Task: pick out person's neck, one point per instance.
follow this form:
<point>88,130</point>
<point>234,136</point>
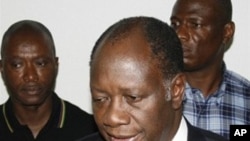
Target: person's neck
<point>175,125</point>
<point>35,117</point>
<point>207,80</point>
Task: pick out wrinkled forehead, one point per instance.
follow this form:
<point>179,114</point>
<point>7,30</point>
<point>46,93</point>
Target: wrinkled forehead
<point>201,5</point>
<point>132,50</point>
<point>133,46</point>
<point>207,9</point>
<point>124,66</point>
<point>26,37</point>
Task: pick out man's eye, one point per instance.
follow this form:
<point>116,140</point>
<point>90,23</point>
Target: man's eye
<point>16,65</point>
<point>174,25</point>
<point>41,63</point>
<point>133,98</point>
<point>195,25</point>
<point>99,99</point>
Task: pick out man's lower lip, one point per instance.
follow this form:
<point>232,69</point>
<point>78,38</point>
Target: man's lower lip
<point>134,138</point>
<point>32,92</point>
<point>185,53</point>
<point>127,139</point>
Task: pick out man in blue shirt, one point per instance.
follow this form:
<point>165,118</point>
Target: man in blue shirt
<point>215,97</point>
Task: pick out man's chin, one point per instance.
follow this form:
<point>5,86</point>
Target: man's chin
<point>33,100</point>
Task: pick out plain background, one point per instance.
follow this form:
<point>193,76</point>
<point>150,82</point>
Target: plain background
<point>77,24</point>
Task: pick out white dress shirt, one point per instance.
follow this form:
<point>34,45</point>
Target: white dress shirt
<point>181,134</point>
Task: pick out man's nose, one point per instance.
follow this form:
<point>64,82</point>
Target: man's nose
<point>182,32</point>
<point>116,115</point>
<point>30,74</point>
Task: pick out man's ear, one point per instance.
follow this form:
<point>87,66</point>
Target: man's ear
<point>177,90</point>
<point>57,63</point>
<point>228,33</point>
<point>1,66</point>
<point>1,70</point>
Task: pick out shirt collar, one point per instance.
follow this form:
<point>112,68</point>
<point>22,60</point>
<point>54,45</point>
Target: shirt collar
<point>189,91</point>
<point>182,131</point>
<point>12,122</point>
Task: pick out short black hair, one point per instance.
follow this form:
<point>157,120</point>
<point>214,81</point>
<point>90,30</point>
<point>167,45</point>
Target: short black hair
<point>164,42</point>
<point>226,9</point>
<point>27,25</point>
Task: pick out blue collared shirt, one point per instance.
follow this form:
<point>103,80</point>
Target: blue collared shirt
<point>229,105</point>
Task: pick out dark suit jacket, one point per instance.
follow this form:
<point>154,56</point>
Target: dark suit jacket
<point>197,134</point>
<point>194,134</point>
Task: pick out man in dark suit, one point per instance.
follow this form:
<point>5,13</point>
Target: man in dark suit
<point>137,84</point>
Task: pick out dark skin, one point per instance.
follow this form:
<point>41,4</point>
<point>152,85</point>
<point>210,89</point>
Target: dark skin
<point>204,37</point>
<point>128,92</point>
<point>29,69</point>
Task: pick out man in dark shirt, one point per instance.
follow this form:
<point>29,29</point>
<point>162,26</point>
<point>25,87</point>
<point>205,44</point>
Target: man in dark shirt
<point>33,111</point>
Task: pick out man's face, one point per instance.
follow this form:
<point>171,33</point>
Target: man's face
<point>128,93</point>
<point>28,68</point>
<point>200,31</point>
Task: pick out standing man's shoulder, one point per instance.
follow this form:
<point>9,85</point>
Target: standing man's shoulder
<point>210,136</point>
<point>198,134</point>
<point>74,111</point>
<point>79,118</point>
<point>76,122</point>
<point>237,80</point>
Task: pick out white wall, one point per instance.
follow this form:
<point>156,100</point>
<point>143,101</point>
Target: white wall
<point>76,25</point>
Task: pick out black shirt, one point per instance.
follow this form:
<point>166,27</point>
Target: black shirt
<point>66,123</point>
